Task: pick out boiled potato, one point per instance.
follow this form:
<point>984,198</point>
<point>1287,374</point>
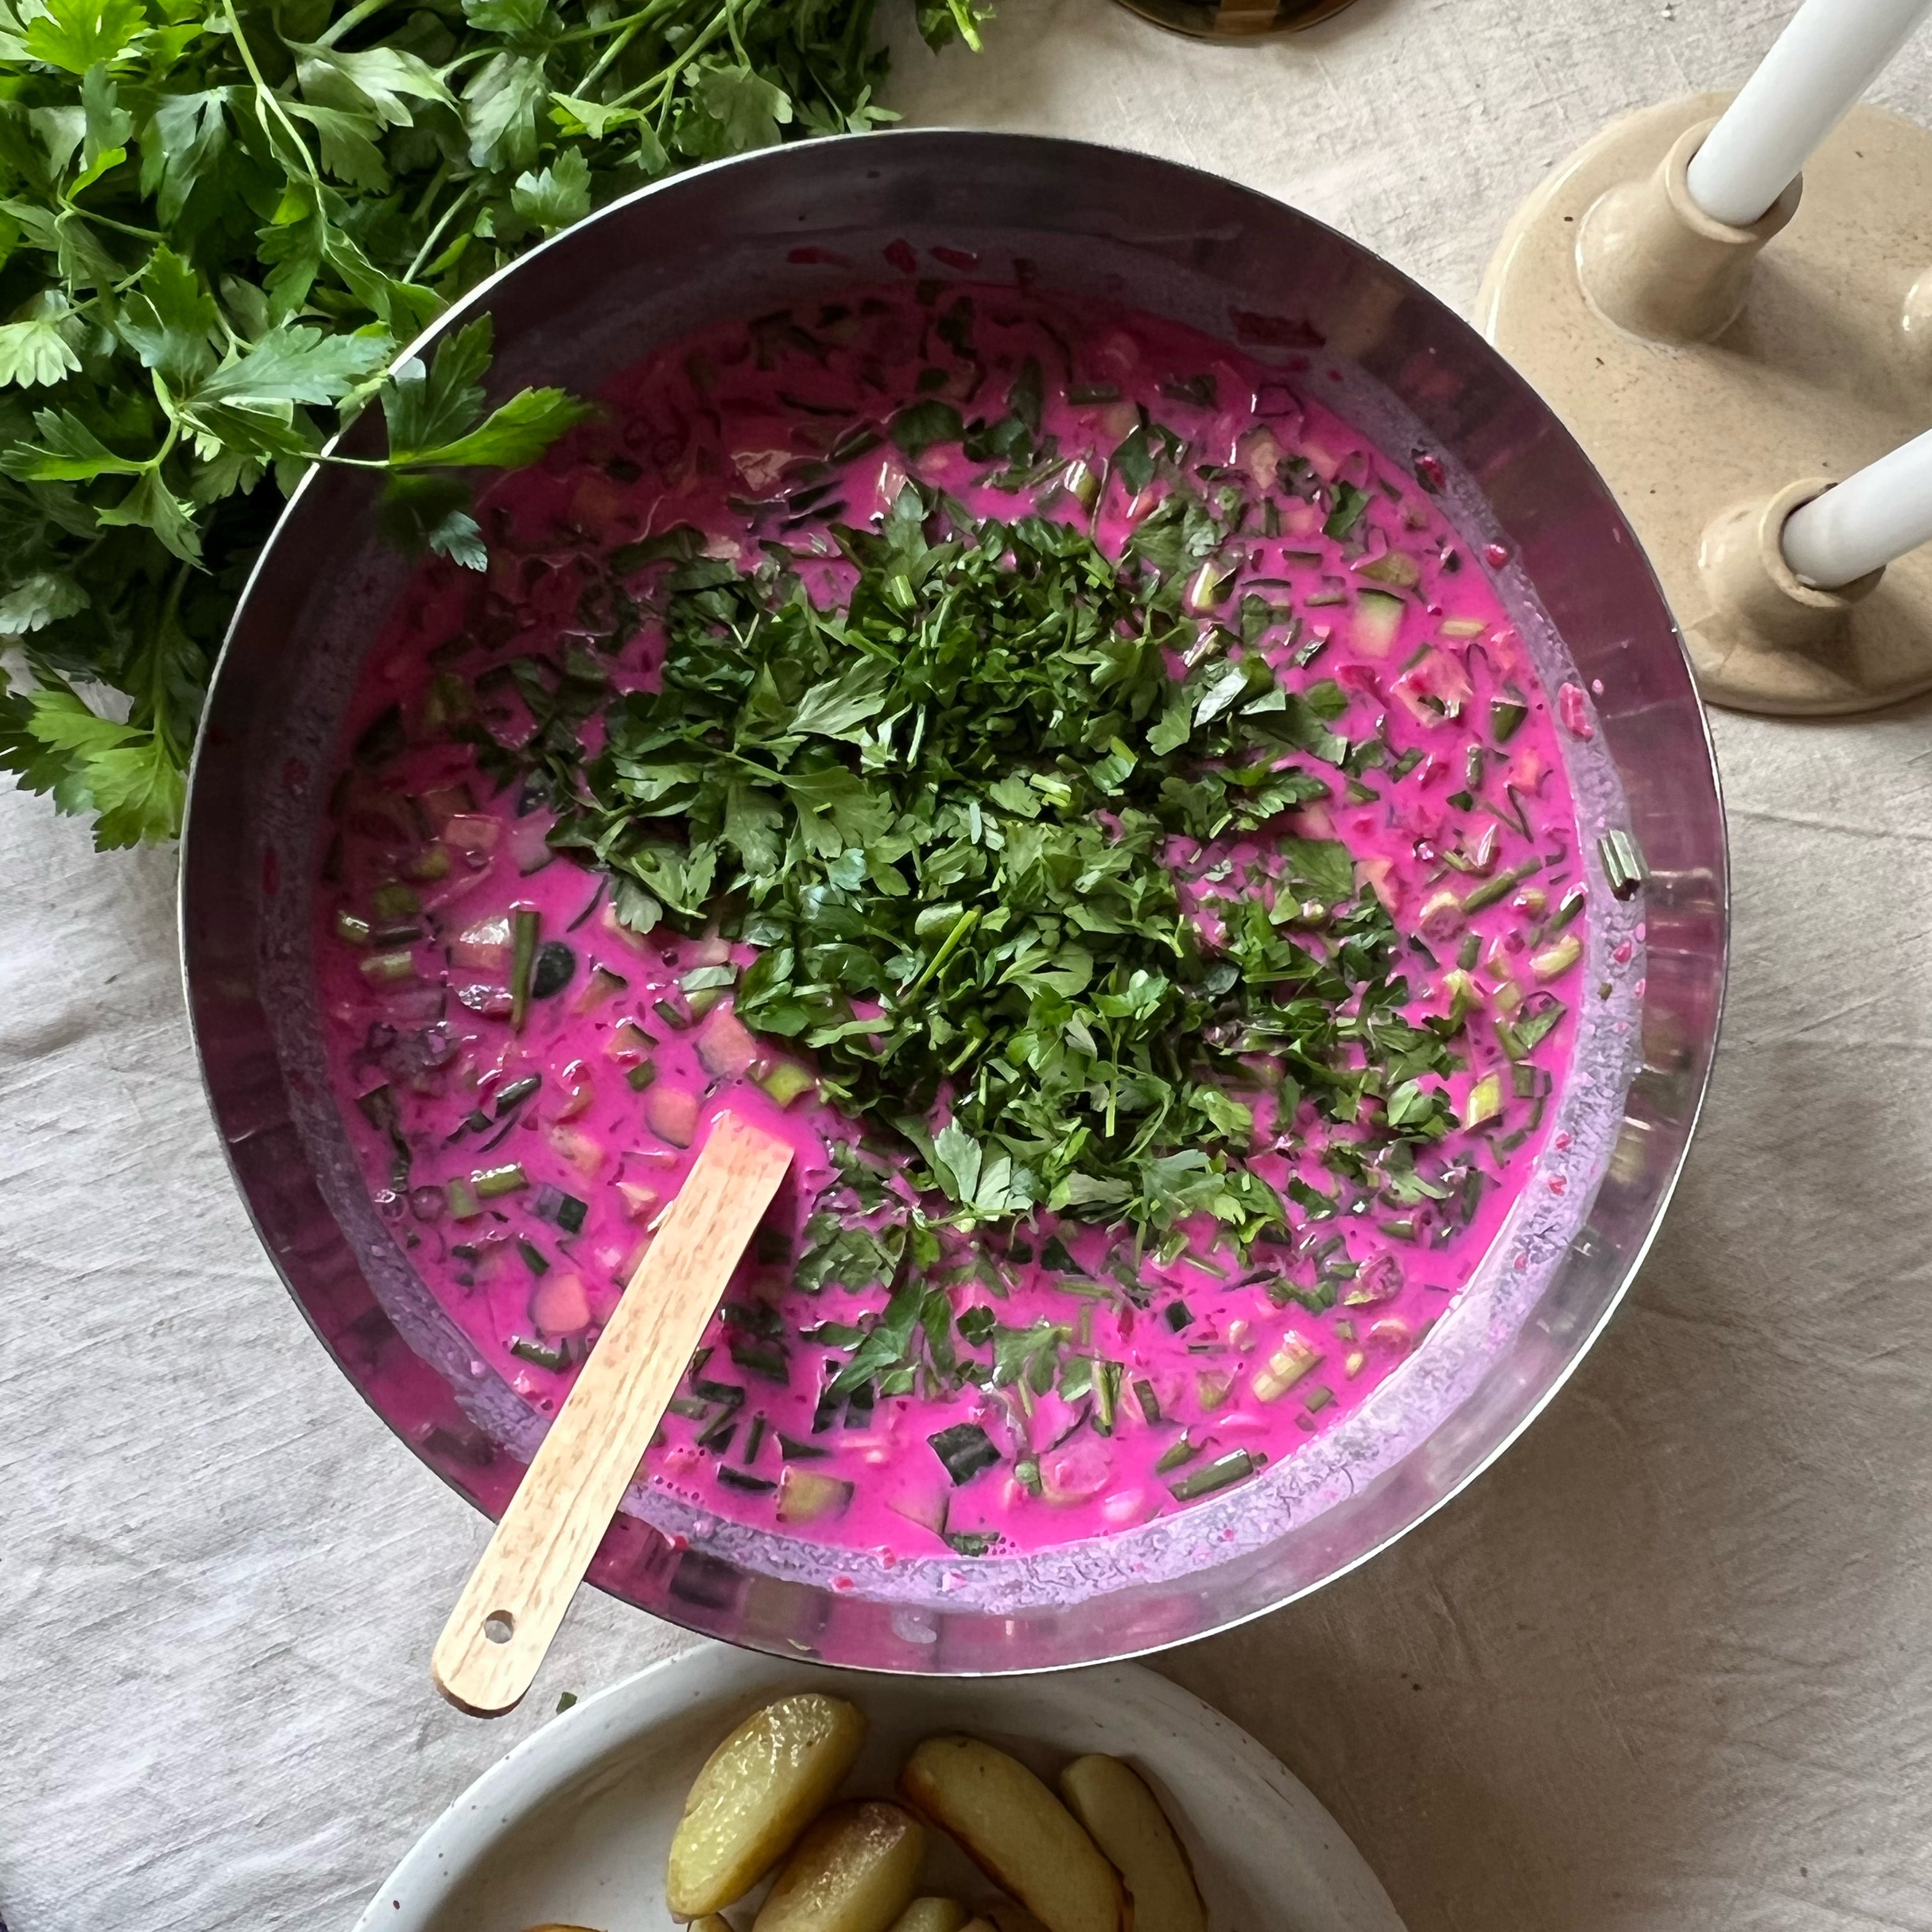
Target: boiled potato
<point>1008,1917</point>
<point>1125,1821</point>
<point>931,1914</point>
<point>853,1871</point>
<point>758,1790</point>
<point>1016,1831</point>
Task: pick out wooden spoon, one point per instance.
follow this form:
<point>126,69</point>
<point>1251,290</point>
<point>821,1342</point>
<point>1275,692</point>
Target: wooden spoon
<point>522,1583</point>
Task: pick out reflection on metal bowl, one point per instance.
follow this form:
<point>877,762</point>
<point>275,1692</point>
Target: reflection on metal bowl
<point>741,238</point>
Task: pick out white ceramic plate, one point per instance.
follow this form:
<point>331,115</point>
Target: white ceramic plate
<point>572,1828</point>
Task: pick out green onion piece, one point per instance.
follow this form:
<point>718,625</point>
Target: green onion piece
<point>1317,1399</point>
<point>1150,1403</point>
<point>786,1081</point>
<point>535,1259</point>
<point>1491,890</point>
<point>1484,1101</point>
<point>513,1096</point>
<point>1106,1395</point>
<point>1567,907</point>
<point>395,901</point>
<point>432,862</point>
<point>1472,767</point>
<point>349,928</point>
<point>489,1182</point>
<point>1469,953</point>
<point>570,1214</point>
<point>1027,1470</point>
<point>1624,864</point>
<point>1528,1082</point>
<point>1178,1451</point>
<point>1506,718</point>
<point>523,962</point>
<point>1217,1474</point>
<point>463,1205</point>
<point>965,1449</point>
<point>1554,961</point>
<point>641,1076</point>
<point>386,967</point>
<point>738,1480</point>
<point>669,1014</point>
<point>688,1406</point>
<point>543,1355</point>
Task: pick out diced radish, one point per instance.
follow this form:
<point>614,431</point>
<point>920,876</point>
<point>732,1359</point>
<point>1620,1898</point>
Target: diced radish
<point>611,923</point>
<point>639,1200</point>
<point>584,1151</point>
<point>472,832</point>
<point>1379,871</point>
<point>671,1114</point>
<point>530,843</point>
<point>1074,1472</point>
<point>628,1042</point>
<point>484,947</point>
<point>927,1510</point>
<point>804,1497</point>
<point>579,1092</point>
<point>1259,453</point>
<point>599,987</point>
<point>724,1046</point>
<point>1378,623</point>
<point>558,1305</point>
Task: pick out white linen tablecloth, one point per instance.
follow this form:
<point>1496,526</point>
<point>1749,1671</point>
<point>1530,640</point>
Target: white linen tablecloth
<point>1667,1666</point>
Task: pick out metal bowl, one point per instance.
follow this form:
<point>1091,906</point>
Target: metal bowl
<point>740,238</point>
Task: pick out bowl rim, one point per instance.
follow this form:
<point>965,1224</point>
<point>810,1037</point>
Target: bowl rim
<point>883,142</point>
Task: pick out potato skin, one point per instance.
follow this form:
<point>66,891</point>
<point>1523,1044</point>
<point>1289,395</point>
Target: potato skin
<point>1125,1818</point>
<point>758,1790</point>
<point>1016,1831</point>
<point>854,1870</point>
<point>932,1914</point>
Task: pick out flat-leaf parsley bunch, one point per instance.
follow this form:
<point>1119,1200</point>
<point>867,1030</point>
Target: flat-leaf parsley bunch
<point>219,221</point>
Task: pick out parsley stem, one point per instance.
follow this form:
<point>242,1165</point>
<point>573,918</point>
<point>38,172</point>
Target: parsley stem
<point>962,926</point>
<point>267,100</point>
<point>435,234</point>
<point>353,19</point>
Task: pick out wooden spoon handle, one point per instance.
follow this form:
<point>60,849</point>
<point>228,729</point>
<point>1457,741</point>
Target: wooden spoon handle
<point>522,1583</point>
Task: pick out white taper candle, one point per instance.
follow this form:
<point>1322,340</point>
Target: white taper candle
<point>1880,513</point>
<point>1832,51</point>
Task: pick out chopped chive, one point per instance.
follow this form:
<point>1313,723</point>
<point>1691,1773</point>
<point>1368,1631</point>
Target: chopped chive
<point>1507,716</point>
<point>669,1014</point>
<point>718,1436</point>
<point>1178,1451</point>
<point>1567,907</point>
<point>1106,1396</point>
<point>513,1096</point>
<point>1624,864</point>
<point>489,1182</point>
<point>688,1406</point>
<point>729,1393</point>
<point>739,1480</point>
<point>794,1451</point>
<point>541,1353</point>
<point>1150,1403</point>
<point>535,1259</point>
<point>641,1076</point>
<point>1231,1467</point>
<point>523,924</point>
<point>1491,890</point>
<point>754,1439</point>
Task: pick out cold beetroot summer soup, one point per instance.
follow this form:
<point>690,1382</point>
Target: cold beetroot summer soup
<point>1048,767</point>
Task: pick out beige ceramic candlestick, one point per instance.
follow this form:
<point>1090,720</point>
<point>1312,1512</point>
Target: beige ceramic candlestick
<point>1720,377</point>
